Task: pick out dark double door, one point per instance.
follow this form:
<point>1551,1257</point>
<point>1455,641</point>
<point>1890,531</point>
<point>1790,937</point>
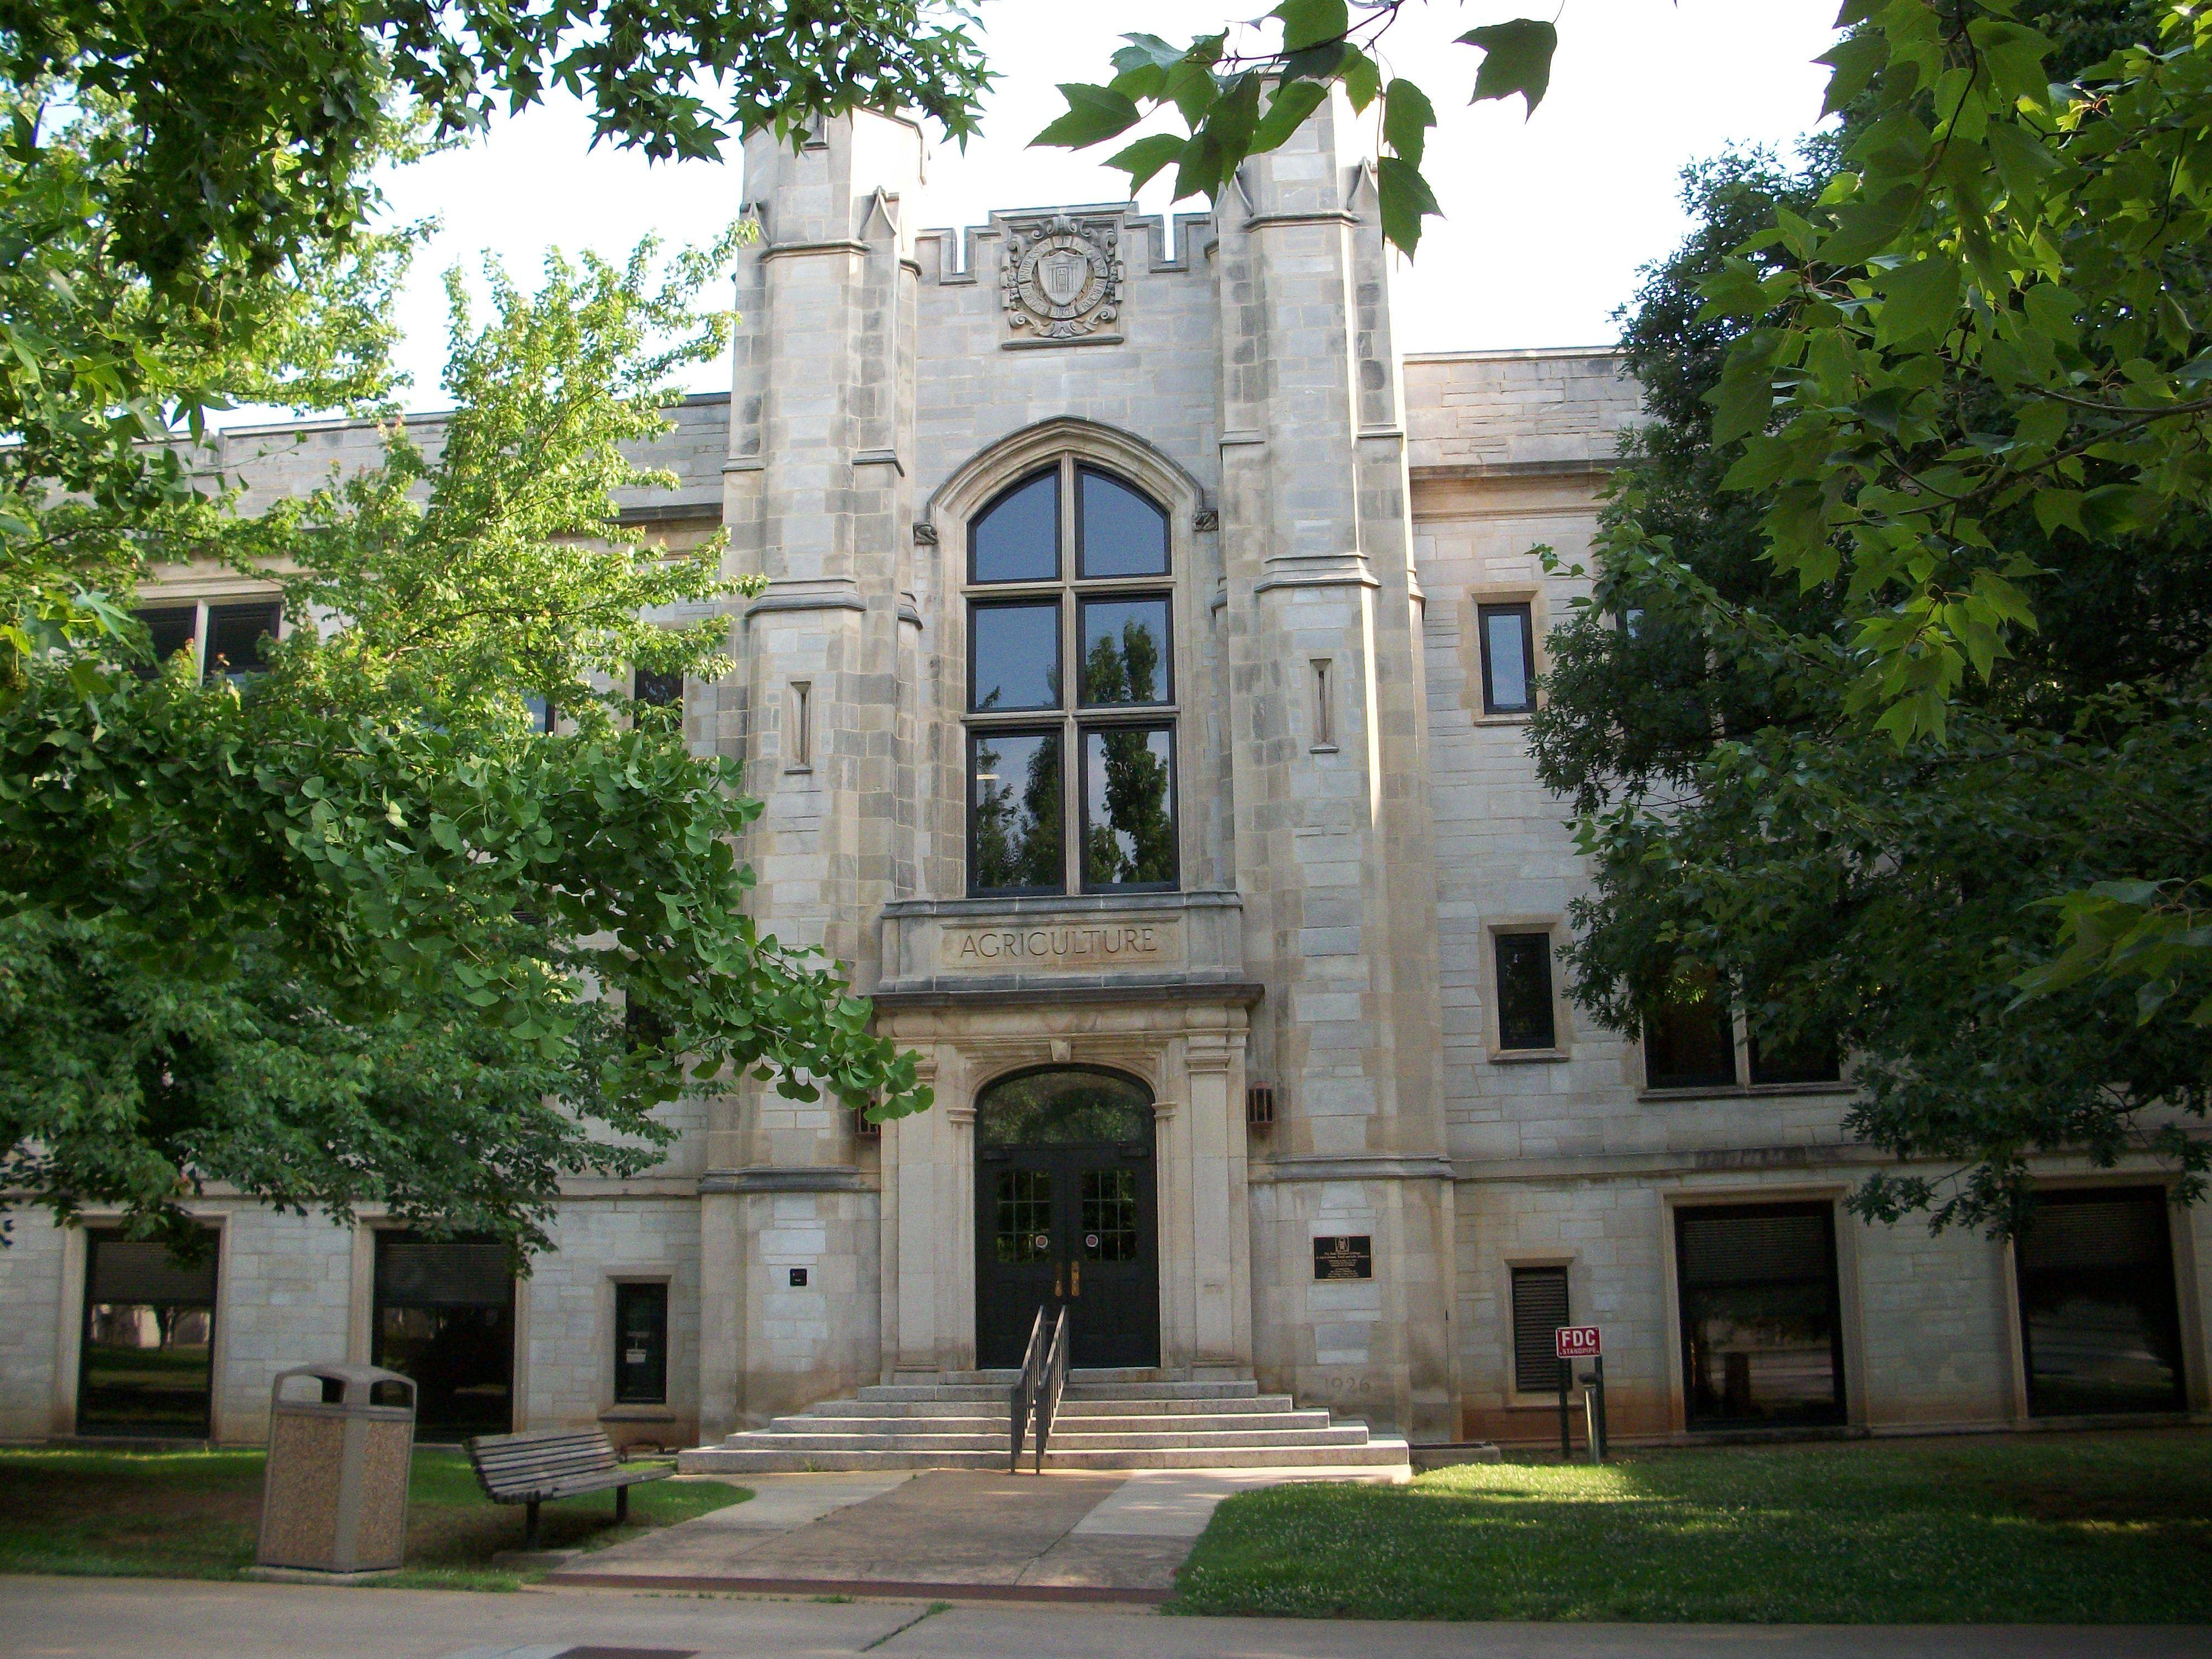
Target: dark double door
<point>1073,1226</point>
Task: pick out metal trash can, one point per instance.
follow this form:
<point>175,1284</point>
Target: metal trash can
<point>334,1497</point>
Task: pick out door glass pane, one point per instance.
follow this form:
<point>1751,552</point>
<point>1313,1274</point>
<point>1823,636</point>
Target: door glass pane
<point>1110,1215</point>
<point>1017,538</point>
<point>641,1345</point>
<point>1014,841</point>
<point>1067,1106</point>
<point>1125,651</point>
<point>1121,533</point>
<point>149,1337</point>
<point>1022,1232</point>
<point>1758,1314</point>
<point>1128,807</point>
<point>1016,656</point>
<point>2098,1304</point>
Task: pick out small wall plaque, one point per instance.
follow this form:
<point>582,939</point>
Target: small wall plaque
<point>1350,1255</point>
<point>799,1279</point>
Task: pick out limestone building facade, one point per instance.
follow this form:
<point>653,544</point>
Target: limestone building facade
<point>1138,695</point>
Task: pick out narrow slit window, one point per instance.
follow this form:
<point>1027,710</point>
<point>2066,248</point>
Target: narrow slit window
<point>1509,659</point>
<point>802,724</point>
<point>641,1345</point>
<point>1324,706</point>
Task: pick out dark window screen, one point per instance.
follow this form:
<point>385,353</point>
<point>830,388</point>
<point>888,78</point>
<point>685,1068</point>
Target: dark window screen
<point>641,1345</point>
<point>445,1316</point>
<point>1524,992</point>
<point>237,634</point>
<point>145,1366</point>
<point>2100,1321</point>
<point>1762,1333</point>
<point>1798,1059</point>
<point>1539,1308</point>
<point>658,690</point>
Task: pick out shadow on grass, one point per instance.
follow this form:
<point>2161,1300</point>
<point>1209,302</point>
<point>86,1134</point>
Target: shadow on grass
<point>2078,1529</point>
<point>196,1515</point>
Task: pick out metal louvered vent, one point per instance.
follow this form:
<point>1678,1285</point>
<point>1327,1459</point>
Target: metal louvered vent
<point>866,1127</point>
<point>1755,1247</point>
<point>2109,1230</point>
<point>413,1272</point>
<point>124,1272</point>
<point>1539,1308</point>
<point>1259,1107</point>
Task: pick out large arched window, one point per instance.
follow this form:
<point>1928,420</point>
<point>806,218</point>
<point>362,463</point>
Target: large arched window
<point>1069,654</point>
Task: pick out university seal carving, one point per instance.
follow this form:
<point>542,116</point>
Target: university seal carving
<point>1062,279</point>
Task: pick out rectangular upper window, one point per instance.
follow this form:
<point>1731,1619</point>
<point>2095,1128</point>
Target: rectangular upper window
<point>1794,1060</point>
<point>658,690</point>
<point>641,1345</point>
<point>1690,1044</point>
<point>1524,992</point>
<point>1509,659</point>
<point>170,629</point>
<point>1539,1308</point>
<point>238,634</point>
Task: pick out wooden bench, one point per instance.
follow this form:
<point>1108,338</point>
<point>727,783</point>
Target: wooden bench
<point>536,1469</point>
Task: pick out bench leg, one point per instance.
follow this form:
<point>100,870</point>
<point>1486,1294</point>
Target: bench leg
<point>530,1526</point>
<point>622,1504</point>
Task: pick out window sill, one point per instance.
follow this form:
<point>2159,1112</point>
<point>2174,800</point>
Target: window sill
<point>1528,1056</point>
<point>637,1414</point>
<point>1742,1091</point>
<point>1322,749</point>
<point>1521,717</point>
<point>799,771</point>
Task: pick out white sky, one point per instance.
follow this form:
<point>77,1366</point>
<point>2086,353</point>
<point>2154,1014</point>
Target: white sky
<point>1545,221</point>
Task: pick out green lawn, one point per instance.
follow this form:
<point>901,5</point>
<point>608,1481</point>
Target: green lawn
<point>194,1515</point>
<point>2097,1529</point>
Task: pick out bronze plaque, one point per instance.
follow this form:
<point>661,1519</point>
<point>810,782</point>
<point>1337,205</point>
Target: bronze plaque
<point>1349,1256</point>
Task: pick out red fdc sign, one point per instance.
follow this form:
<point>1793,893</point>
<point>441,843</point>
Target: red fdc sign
<point>1576,1342</point>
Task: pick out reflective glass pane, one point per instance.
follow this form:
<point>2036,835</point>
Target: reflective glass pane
<point>1122,534</point>
<point>1110,1215</point>
<point>1065,1107</point>
<point>2098,1304</point>
<point>1128,807</point>
<point>1125,651</point>
<point>1759,1314</point>
<point>1524,991</point>
<point>1022,1232</point>
<point>1017,538</point>
<point>169,631</point>
<point>641,1345</point>
<point>1505,659</point>
<point>1016,656</point>
<point>236,634</point>
<point>1014,812</point>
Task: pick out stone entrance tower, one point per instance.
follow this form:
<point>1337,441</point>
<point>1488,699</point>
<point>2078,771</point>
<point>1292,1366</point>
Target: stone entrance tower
<point>1239,377</point>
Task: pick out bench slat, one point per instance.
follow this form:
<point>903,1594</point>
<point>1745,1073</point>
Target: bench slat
<point>534,1467</point>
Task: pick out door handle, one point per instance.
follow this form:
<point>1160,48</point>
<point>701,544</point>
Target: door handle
<point>1074,1278</point>
<point>1056,1281</point>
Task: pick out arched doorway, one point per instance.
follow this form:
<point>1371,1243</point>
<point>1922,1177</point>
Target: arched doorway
<point>1066,1216</point>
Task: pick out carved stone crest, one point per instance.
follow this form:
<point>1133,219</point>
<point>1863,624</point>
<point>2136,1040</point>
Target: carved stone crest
<point>1062,280</point>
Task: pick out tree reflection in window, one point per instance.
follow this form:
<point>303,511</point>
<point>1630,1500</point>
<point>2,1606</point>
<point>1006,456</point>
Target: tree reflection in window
<point>1129,807</point>
<point>1014,820</point>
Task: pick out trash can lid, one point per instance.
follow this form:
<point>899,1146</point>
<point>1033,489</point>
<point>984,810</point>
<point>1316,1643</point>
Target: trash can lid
<point>362,1377</point>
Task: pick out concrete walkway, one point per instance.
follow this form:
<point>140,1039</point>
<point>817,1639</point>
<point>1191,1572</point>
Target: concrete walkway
<point>150,1618</point>
<point>1093,1537</point>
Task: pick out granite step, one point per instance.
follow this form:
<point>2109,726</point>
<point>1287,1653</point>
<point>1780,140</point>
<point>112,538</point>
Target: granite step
<point>1264,1404</point>
<point>806,1440</point>
<point>1371,1453</point>
<point>1064,1423</point>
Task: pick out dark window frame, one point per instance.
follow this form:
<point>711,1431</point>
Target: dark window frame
<point>1684,1080</point>
<point>976,735</point>
<point>1779,1071</point>
<point>144,617</point>
<point>1038,601</point>
<point>1082,601</point>
<point>627,1289</point>
<point>1840,1411</point>
<point>94,1238</point>
<point>382,1238</point>
<point>1543,1368</point>
<point>1083,734</point>
<point>1498,946</point>
<point>656,690</point>
<point>2170,1287</point>
<point>1085,471</point>
<point>1526,612</point>
<point>270,610</point>
<point>1074,721</point>
<point>1059,541</point>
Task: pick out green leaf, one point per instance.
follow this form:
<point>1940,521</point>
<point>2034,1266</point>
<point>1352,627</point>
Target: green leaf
<point>1920,301</point>
<point>1094,114</point>
<point>1287,110</point>
<point>1144,158</point>
<point>1854,61</point>
<point>1406,200</point>
<point>1743,402</point>
<point>1407,115</point>
<point>1308,23</point>
<point>1517,57</point>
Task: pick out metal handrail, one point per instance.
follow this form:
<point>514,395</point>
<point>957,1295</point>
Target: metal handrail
<point>1054,1380</point>
<point>1024,1399</point>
